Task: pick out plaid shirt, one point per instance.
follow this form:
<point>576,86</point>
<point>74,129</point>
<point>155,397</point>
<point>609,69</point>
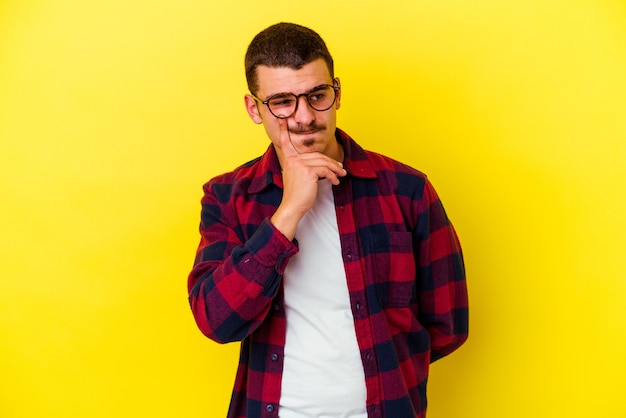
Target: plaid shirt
<point>403,265</point>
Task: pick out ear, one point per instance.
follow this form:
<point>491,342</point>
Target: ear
<point>253,109</point>
<point>338,99</point>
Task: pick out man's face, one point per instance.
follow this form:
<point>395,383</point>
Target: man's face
<point>310,130</point>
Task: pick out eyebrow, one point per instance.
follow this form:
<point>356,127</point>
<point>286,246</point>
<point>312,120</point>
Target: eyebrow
<point>306,92</point>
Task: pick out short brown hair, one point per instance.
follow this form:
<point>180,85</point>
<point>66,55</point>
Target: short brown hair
<point>285,45</point>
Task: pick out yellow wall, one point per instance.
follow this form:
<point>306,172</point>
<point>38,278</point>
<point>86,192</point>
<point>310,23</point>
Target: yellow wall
<point>113,113</point>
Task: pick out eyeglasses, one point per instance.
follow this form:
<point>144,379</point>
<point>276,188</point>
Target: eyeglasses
<point>284,105</point>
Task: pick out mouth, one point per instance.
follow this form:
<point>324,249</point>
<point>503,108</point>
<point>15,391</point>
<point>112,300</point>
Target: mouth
<point>305,138</point>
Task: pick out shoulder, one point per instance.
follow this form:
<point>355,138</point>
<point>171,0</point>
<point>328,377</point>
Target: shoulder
<point>402,178</point>
<point>383,163</point>
<point>237,181</point>
<point>244,171</point>
<point>391,175</point>
<point>371,161</point>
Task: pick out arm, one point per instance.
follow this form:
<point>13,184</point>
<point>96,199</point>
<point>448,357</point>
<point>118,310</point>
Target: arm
<point>232,283</point>
<point>442,290</point>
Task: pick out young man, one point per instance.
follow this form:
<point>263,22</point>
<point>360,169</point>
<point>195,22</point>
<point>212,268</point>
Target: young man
<point>336,267</point>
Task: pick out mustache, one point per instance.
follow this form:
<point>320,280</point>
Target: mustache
<point>300,129</point>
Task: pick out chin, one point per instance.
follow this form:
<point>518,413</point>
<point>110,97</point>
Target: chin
<point>312,142</point>
<point>308,142</point>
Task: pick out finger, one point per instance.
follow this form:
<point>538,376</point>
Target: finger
<point>324,162</point>
<point>284,139</point>
<point>329,175</point>
<point>332,173</point>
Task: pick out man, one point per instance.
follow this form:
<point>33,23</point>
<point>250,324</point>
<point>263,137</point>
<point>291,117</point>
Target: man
<point>336,267</point>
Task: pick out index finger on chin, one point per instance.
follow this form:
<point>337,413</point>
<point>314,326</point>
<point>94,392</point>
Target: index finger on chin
<point>284,140</point>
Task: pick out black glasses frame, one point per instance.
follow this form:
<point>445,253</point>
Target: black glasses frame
<point>297,96</point>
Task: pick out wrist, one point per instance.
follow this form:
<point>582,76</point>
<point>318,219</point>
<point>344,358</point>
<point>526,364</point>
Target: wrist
<point>286,222</point>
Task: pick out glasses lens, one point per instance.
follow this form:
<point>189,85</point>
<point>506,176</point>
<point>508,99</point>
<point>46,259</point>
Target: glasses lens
<point>282,105</point>
<point>321,98</point>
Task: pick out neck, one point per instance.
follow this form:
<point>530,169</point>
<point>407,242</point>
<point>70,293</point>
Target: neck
<point>336,151</point>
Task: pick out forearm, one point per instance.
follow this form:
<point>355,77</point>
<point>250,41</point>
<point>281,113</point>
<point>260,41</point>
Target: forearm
<point>230,292</point>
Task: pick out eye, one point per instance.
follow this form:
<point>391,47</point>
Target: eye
<point>318,95</point>
<point>282,101</point>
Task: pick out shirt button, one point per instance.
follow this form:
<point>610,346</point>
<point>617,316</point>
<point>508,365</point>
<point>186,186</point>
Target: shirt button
<point>269,408</point>
<point>349,256</point>
<point>358,306</point>
<point>368,356</point>
<point>274,357</point>
<point>276,307</point>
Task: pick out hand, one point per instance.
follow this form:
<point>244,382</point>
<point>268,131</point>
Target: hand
<point>301,172</point>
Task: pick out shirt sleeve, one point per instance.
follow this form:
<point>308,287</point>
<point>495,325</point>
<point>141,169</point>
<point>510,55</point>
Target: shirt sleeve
<point>442,291</point>
<point>233,281</point>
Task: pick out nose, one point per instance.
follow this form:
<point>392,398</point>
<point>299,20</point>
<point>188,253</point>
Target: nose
<point>304,113</point>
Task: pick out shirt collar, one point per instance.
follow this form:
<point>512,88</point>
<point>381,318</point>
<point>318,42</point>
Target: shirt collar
<point>355,162</point>
<point>355,159</point>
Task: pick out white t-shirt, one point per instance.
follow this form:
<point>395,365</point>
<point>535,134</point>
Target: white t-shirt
<point>323,373</point>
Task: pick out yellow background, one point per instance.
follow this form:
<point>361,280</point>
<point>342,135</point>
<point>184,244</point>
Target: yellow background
<point>113,113</point>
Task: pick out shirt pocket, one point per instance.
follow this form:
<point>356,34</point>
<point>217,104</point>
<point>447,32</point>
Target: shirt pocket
<point>393,268</point>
